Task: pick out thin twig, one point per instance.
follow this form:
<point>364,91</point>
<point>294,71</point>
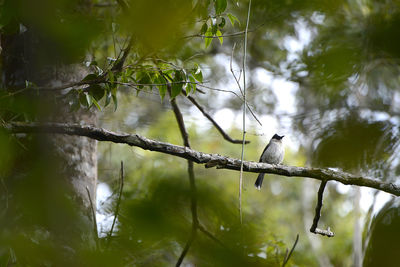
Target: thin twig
<point>186,248</point>
<point>121,186</point>
<point>120,62</point>
<point>244,114</point>
<point>96,237</point>
<point>211,236</point>
<point>232,92</point>
<point>317,216</point>
<point>234,34</point>
<point>287,257</point>
<point>216,125</point>
<point>237,79</point>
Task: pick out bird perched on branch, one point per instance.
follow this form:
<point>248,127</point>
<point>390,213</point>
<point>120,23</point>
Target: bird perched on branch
<point>272,154</point>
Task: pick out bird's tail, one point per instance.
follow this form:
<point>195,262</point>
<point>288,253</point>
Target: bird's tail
<point>259,181</point>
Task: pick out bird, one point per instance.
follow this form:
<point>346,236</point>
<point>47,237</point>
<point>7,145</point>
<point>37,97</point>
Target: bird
<point>273,154</point>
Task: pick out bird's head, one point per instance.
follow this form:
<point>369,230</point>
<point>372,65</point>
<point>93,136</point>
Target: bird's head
<point>277,137</point>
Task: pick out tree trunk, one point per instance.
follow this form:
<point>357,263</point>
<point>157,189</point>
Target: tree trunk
<point>44,196</point>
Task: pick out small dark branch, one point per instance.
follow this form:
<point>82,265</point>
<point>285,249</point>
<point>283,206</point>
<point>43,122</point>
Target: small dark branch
<point>211,160</point>
<point>121,187</point>
<point>287,257</point>
<point>69,85</point>
<point>192,180</point>
<point>181,123</point>
<point>187,247</point>
<point>216,125</point>
<point>94,218</point>
<point>317,216</point>
<point>233,34</point>
<point>211,236</point>
<point>121,61</point>
<point>319,206</point>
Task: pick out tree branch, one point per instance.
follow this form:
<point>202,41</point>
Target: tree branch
<point>211,160</point>
<point>216,125</point>
<point>192,180</point>
<point>121,187</point>
<point>289,254</point>
<point>317,216</point>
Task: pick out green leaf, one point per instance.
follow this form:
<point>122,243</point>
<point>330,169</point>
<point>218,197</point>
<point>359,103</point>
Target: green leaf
<point>208,37</point>
<point>95,103</point>
<point>198,75</point>
<point>220,38</point>
<point>89,100</point>
<point>114,97</point>
<point>111,76</point>
<point>232,19</point>
<point>96,91</point>
<point>108,99</point>
<point>222,23</point>
<point>162,88</point>
<point>143,78</point>
<point>176,89</point>
<point>204,29</point>
<point>115,100</point>
<point>168,73</point>
<point>177,85</point>
<point>192,83</point>
<point>90,77</point>
<point>82,99</point>
<point>189,88</point>
<point>178,75</point>
<point>220,6</point>
<point>214,29</point>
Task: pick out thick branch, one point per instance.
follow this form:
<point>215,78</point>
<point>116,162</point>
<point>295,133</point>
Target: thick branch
<point>211,160</point>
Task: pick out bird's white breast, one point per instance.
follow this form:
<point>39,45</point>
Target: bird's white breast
<point>274,153</point>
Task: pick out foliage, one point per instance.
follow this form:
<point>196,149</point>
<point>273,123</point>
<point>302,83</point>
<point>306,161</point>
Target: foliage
<point>140,53</point>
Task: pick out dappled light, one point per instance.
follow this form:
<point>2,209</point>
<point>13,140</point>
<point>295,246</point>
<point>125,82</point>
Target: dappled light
<point>164,108</point>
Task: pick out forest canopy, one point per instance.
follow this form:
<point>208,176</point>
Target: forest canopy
<point>131,130</point>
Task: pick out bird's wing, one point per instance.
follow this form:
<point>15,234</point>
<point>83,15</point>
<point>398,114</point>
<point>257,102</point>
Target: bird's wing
<point>263,152</point>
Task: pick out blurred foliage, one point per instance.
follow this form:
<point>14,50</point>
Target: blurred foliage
<point>346,116</point>
<point>383,246</point>
<point>155,216</point>
<point>355,144</point>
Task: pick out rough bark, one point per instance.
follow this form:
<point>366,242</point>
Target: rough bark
<point>64,165</point>
<point>210,160</point>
